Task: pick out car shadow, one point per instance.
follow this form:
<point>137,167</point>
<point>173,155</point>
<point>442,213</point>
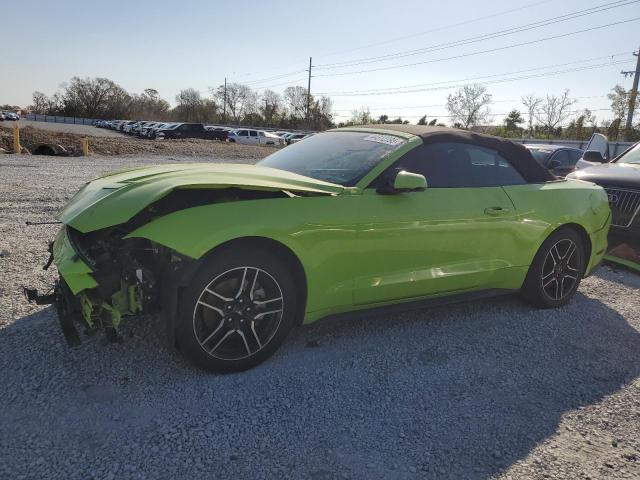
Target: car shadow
<point>460,391</point>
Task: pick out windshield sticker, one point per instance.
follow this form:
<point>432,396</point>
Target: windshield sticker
<point>386,139</point>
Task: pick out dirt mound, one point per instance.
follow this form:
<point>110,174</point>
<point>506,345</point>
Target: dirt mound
<point>33,138</point>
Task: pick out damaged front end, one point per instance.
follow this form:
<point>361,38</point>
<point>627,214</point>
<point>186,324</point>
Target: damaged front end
<point>103,278</point>
<point>108,271</point>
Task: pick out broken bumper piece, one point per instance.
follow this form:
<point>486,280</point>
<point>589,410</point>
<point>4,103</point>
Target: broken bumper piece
<point>81,300</point>
<point>65,303</point>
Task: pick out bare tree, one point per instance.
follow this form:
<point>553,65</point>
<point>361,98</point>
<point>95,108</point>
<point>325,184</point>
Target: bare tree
<point>469,105</point>
<point>361,116</point>
<point>149,105</point>
<point>532,102</point>
<point>320,114</point>
<point>271,106</point>
<point>240,100</point>
<point>554,110</point>
<point>189,102</point>
<point>40,103</point>
<point>90,95</point>
<point>619,98</point>
<point>296,100</point>
<point>55,105</point>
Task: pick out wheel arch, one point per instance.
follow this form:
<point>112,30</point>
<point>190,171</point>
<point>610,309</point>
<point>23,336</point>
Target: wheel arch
<point>283,252</point>
<point>586,239</point>
<point>177,281</point>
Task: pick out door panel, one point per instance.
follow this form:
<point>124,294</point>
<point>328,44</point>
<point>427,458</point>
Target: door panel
<point>437,241</point>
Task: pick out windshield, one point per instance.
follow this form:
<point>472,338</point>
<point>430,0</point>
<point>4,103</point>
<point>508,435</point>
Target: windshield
<point>336,157</point>
<point>632,155</point>
<point>540,155</point>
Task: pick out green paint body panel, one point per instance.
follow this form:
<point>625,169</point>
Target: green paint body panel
<point>114,199</point>
<point>358,248</point>
<point>623,261</point>
<point>75,272</point>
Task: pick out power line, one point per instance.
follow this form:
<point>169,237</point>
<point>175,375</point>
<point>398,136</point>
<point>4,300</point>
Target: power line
<point>438,29</point>
<point>524,77</point>
<point>466,22</point>
<point>479,38</point>
<point>275,77</point>
<point>398,89</point>
<point>491,114</point>
<point>384,108</point>
<point>290,82</point>
<point>553,37</point>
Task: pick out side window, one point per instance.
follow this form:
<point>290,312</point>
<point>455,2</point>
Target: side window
<point>459,165</point>
<point>243,133</point>
<point>253,133</point>
<point>261,134</point>
<point>575,155</point>
<point>183,128</point>
<point>561,156</point>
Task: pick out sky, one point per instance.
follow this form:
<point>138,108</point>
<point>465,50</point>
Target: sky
<point>435,47</point>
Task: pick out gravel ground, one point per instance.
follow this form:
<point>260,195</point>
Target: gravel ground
<point>487,389</point>
<point>89,130</point>
<point>31,138</point>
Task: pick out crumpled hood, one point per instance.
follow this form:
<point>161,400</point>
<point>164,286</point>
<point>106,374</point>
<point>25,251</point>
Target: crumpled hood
<point>115,198</point>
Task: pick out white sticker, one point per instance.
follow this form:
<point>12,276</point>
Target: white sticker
<point>386,139</point>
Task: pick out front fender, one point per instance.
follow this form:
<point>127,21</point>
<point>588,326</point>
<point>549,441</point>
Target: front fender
<point>320,231</point>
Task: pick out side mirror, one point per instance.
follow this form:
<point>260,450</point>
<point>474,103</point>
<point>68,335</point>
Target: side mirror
<point>404,182</point>
<point>593,156</point>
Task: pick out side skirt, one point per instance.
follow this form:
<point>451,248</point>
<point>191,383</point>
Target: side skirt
<point>421,304</point>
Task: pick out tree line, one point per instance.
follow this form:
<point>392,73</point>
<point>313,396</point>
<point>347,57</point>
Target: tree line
<point>238,104</point>
<point>549,116</point>
<point>543,117</point>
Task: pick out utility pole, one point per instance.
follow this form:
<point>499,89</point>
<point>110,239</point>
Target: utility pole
<point>224,102</point>
<point>309,92</point>
<point>632,97</point>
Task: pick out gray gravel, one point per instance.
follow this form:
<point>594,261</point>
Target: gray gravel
<point>479,390</point>
<point>67,128</point>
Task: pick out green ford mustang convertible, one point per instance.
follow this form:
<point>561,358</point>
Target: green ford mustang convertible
<point>234,256</point>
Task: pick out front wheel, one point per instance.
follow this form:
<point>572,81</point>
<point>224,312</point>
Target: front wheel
<point>237,311</point>
<point>556,270</point>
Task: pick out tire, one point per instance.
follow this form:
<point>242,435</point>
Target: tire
<point>556,271</point>
<point>223,328</point>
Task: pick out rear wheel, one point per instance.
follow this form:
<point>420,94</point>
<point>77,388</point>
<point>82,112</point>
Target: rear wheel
<point>556,271</point>
<point>237,311</point>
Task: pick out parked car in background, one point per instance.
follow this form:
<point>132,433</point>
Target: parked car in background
<point>136,127</point>
<point>125,125</point>
<point>597,152</point>
<point>183,130</point>
<point>249,136</point>
<point>296,137</point>
<point>151,132</point>
<point>621,180</point>
<point>145,128</point>
<point>558,159</point>
<point>218,133</point>
<point>11,116</point>
<point>126,128</point>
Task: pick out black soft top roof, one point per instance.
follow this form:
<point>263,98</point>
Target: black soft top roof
<point>517,155</point>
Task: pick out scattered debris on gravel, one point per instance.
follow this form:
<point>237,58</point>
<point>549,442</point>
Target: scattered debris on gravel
<point>31,138</point>
<point>487,389</point>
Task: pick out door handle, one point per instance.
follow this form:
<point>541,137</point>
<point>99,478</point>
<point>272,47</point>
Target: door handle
<point>496,211</point>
